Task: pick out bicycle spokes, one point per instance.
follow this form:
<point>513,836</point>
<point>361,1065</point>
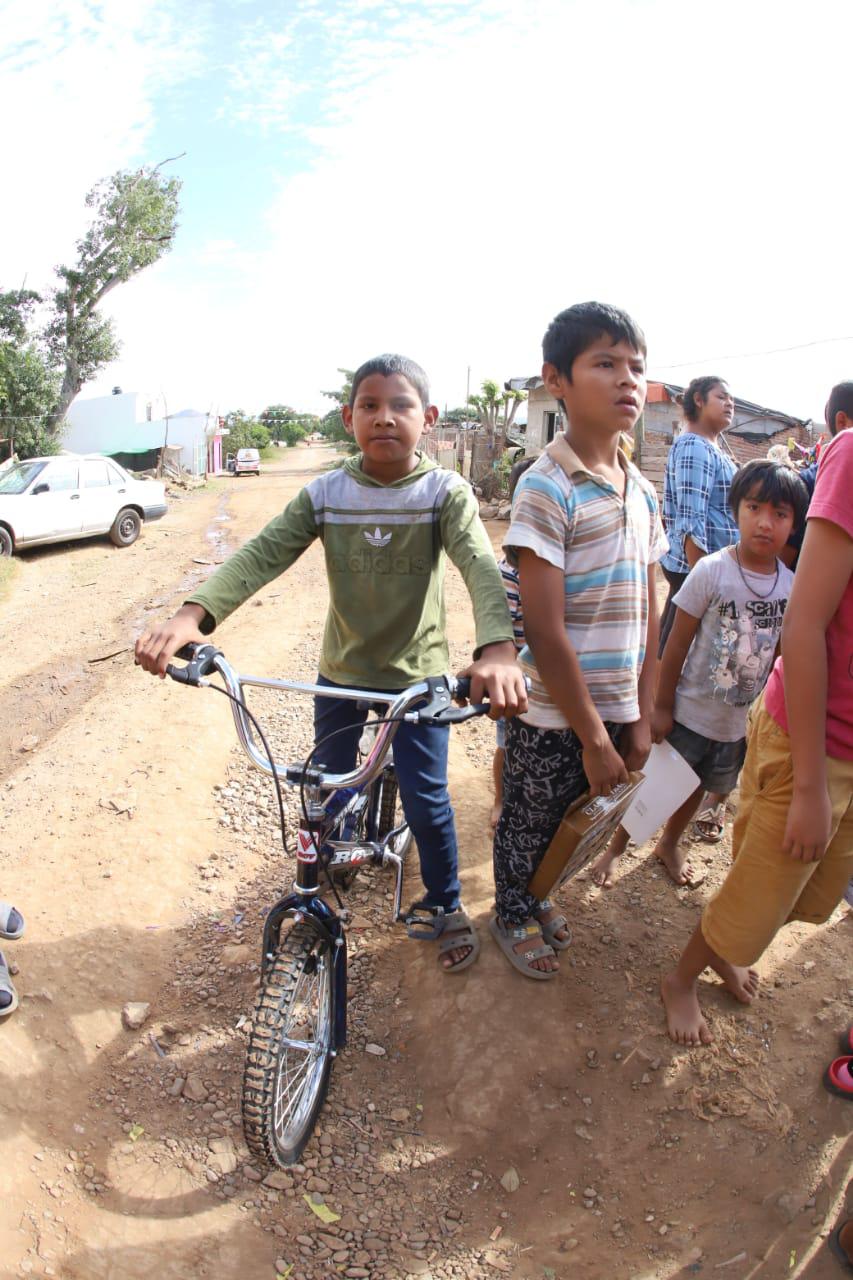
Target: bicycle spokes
<point>303,1045</point>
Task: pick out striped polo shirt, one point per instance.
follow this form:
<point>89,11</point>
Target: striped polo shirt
<point>603,543</point>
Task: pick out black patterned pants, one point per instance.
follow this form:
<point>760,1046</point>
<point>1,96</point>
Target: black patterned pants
<point>543,775</point>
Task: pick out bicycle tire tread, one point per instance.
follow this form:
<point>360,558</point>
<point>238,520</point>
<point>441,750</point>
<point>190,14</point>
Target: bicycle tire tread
<point>261,1062</point>
<point>388,817</point>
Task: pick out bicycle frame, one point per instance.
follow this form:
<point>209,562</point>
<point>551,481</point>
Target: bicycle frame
<point>304,899</point>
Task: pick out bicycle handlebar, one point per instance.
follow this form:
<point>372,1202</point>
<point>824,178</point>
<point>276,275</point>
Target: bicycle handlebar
<point>438,693</point>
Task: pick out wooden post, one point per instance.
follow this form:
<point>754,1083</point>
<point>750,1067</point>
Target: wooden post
<point>639,440</point>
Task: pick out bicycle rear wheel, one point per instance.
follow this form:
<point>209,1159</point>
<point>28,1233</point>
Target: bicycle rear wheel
<point>289,1055</point>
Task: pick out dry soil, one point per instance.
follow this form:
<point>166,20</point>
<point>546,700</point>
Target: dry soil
<point>141,850</point>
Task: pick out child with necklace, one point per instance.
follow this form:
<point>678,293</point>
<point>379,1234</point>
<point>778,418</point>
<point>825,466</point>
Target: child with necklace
<point>793,837</point>
<point>720,651</point>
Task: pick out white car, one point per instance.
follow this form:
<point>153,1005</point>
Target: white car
<point>247,463</point>
<point>54,499</point>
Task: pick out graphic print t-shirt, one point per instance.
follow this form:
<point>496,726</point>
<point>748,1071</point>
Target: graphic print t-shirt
<point>731,656</point>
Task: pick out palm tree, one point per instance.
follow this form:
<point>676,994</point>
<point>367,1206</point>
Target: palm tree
<point>496,410</point>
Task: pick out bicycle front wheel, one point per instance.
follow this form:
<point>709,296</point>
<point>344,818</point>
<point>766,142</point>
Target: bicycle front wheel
<point>289,1055</point>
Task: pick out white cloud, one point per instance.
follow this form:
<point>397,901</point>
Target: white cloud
<point>79,86</point>
<point>475,168</point>
<point>634,154</point>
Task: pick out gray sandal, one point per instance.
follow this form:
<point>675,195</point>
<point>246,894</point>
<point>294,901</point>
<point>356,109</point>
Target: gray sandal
<point>553,927</point>
<point>452,929</point>
<point>506,936</point>
<point>7,988</point>
<point>11,922</point>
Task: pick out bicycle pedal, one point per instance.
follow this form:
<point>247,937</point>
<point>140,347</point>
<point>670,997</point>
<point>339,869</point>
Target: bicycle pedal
<point>424,924</point>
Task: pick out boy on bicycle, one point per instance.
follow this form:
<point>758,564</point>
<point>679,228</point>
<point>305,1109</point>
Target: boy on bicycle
<point>386,518</point>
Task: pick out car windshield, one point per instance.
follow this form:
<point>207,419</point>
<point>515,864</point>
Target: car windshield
<point>16,479</point>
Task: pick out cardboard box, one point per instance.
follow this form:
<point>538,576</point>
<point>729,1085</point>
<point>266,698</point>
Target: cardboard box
<point>585,829</point>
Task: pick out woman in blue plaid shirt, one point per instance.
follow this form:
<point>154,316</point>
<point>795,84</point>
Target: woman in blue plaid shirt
<point>696,513</point>
<point>696,489</point>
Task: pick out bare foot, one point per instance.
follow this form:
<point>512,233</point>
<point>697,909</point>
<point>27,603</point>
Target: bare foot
<point>684,1020</point>
<point>602,870</point>
<point>676,863</point>
<point>741,982</point>
<point>495,815</point>
<point>452,958</point>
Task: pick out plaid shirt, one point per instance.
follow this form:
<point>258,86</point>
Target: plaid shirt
<point>696,499</point>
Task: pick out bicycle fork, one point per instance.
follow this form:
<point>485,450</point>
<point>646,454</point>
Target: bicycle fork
<point>304,902</point>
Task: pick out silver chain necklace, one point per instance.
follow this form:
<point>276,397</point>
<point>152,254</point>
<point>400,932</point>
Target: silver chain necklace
<point>751,588</point>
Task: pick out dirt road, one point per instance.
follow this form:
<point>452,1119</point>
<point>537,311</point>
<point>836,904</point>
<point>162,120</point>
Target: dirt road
<point>120,1150</point>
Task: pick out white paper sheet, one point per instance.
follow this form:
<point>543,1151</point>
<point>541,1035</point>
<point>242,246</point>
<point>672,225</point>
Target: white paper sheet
<point>668,782</point>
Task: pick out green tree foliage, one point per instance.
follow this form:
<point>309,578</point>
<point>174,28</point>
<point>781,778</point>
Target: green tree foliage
<point>28,387</point>
<point>455,416</point>
<point>496,409</point>
<point>286,424</point>
<point>245,432</point>
<point>332,425</point>
<point>16,309</point>
<point>134,223</point>
<point>28,390</point>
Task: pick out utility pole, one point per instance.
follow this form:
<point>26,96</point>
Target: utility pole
<point>467,388</point>
<point>166,436</point>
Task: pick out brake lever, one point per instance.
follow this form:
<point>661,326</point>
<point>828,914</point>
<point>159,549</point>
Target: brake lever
<point>201,661</point>
<point>440,708</point>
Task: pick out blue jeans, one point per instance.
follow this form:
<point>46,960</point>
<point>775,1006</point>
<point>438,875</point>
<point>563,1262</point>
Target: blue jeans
<point>420,758</point>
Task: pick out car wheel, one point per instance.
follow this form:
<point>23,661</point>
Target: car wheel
<point>126,527</point>
<point>7,546</point>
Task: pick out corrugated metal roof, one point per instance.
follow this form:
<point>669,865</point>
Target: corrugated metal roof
<point>752,412</point>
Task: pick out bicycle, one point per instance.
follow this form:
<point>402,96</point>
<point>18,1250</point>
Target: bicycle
<point>348,820</point>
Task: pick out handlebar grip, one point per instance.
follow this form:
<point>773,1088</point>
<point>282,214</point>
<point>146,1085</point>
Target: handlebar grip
<point>456,715</point>
<point>200,659</point>
<point>463,687</point>
<point>181,675</point>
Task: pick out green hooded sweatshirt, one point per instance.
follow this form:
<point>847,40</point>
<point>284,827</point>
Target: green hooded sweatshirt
<point>385,551</point>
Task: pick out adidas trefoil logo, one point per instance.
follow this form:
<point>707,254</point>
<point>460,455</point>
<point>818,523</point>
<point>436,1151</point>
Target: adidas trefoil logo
<point>378,538</point>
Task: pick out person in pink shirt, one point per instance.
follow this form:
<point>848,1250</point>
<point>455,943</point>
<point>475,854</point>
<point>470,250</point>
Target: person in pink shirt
<point>793,836</point>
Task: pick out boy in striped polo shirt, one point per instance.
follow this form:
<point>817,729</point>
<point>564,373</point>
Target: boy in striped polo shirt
<point>586,535</point>
<point>387,519</point>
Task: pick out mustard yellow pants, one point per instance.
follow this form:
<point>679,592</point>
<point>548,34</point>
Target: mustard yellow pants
<point>765,887</point>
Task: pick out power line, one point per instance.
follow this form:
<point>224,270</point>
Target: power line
<point>749,355</point>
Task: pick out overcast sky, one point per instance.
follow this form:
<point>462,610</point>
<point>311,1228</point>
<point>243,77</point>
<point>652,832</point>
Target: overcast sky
<point>440,179</point>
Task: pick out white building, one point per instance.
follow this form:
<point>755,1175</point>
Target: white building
<point>544,419</point>
<point>123,426</point>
